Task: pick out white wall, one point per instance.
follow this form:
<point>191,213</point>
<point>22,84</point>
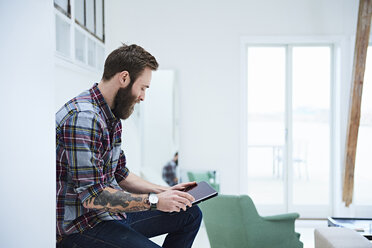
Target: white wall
<point>200,40</point>
<point>71,80</point>
<point>27,134</point>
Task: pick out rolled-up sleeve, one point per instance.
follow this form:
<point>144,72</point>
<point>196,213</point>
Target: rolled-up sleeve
<point>82,139</point>
<point>121,170</point>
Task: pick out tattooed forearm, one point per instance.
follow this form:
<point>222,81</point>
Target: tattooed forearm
<point>118,201</point>
<point>115,199</point>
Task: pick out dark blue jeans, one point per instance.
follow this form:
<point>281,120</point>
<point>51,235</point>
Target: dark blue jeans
<point>135,231</point>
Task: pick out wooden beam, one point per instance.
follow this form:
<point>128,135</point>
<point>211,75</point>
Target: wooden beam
<point>360,55</point>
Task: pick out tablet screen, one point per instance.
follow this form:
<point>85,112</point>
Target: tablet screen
<point>201,192</point>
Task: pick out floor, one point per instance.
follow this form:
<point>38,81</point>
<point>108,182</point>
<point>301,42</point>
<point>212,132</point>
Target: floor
<point>304,227</point>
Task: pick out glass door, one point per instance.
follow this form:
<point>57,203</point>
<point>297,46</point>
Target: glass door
<point>363,168</point>
<point>288,128</point>
<point>311,136</point>
<point>266,126</point>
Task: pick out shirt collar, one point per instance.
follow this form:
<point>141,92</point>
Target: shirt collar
<point>101,102</point>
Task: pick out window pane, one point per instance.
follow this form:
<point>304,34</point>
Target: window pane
<point>91,53</point>
<point>90,15</point>
<point>79,11</point>
<point>266,124</point>
<point>311,125</point>
<point>99,18</point>
<point>79,46</point>
<point>63,4</point>
<point>363,165</point>
<point>62,36</point>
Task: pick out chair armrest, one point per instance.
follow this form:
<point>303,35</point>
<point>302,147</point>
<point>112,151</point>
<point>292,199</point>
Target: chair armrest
<point>281,217</point>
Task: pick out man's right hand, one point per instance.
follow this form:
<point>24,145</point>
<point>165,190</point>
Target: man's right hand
<point>174,200</point>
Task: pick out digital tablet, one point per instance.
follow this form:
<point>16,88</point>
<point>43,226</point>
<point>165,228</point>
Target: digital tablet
<point>201,192</point>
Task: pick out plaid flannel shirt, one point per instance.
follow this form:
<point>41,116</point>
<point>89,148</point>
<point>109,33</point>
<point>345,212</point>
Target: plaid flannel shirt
<point>89,159</point>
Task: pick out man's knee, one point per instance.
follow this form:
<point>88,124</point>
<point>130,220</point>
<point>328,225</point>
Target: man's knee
<point>196,214</point>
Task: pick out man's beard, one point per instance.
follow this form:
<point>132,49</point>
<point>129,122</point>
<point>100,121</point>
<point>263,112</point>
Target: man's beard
<point>124,103</point>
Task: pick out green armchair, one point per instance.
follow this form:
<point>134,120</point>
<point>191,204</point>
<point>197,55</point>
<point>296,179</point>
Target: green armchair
<point>208,176</point>
<point>233,221</point>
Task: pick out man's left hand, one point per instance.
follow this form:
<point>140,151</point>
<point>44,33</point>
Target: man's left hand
<point>182,186</point>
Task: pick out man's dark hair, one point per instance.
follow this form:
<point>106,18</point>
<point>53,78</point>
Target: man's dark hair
<point>132,58</point>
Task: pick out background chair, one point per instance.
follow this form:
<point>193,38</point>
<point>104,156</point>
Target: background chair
<point>208,176</point>
<point>233,221</point>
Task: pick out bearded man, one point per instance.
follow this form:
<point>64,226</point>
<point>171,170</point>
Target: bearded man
<point>100,203</point>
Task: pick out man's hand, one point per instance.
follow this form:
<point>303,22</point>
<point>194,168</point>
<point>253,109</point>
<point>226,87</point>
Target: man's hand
<point>183,186</point>
<point>173,200</point>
